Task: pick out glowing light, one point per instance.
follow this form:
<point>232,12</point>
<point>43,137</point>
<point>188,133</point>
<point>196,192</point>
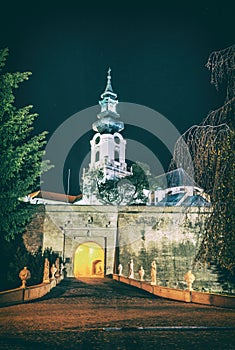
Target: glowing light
<point>89,260</point>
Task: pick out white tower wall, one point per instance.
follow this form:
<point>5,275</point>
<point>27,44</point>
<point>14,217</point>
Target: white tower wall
<point>108,149</point>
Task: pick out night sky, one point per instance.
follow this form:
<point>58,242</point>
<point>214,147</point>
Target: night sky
<point>157,54</point>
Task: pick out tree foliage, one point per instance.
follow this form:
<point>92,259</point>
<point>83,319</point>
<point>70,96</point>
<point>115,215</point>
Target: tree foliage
<point>20,155</point>
<point>14,256</point>
<point>212,150</point>
<point>116,191</point>
<point>127,191</point>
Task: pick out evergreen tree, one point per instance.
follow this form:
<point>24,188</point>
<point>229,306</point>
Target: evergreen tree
<point>20,155</point>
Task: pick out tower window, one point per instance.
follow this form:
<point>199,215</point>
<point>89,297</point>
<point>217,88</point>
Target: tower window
<point>116,139</point>
<point>97,156</point>
<point>97,140</point>
<point>116,156</point>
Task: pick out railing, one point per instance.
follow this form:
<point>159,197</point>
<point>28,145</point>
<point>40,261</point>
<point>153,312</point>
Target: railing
<point>22,295</point>
<point>179,294</point>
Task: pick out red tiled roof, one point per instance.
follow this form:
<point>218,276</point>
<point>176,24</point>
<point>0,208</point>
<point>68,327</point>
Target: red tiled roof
<point>60,197</point>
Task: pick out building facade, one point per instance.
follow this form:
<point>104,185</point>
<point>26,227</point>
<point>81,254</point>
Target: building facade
<point>93,239</point>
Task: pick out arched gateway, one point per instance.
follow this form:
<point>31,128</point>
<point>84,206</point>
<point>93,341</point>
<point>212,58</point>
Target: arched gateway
<point>89,260</point>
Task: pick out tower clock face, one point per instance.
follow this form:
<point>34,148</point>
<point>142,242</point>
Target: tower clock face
<point>116,139</point>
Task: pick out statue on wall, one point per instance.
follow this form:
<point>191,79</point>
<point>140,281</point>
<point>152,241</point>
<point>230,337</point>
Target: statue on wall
<point>189,279</point>
<point>120,269</point>
<point>141,273</point>
<point>62,270</point>
<point>57,265</point>
<point>24,276</point>
<point>131,269</point>
<point>46,272</point>
<point>53,271</point>
<point>98,268</point>
<point>153,273</point>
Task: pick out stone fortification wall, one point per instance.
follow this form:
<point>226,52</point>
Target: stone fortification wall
<point>33,236</point>
<point>169,235</point>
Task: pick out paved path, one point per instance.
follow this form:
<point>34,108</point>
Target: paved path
<point>104,314</point>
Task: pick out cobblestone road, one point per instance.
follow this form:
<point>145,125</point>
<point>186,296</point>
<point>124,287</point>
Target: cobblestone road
<point>104,314</point>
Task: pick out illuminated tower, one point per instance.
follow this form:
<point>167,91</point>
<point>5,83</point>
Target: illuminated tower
<point>108,147</point>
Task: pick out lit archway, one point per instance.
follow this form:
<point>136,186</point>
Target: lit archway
<point>89,260</point>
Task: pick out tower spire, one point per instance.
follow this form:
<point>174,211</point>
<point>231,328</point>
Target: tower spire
<point>109,90</point>
<point>108,115</point>
<point>109,85</point>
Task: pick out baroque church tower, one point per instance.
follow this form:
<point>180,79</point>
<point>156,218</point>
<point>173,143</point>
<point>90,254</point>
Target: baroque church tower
<point>108,147</point>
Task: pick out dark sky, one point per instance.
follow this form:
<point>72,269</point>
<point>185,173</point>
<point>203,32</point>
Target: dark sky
<point>157,54</point>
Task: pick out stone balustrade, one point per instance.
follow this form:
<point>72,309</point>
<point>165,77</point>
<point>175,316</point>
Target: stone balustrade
<point>187,296</point>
